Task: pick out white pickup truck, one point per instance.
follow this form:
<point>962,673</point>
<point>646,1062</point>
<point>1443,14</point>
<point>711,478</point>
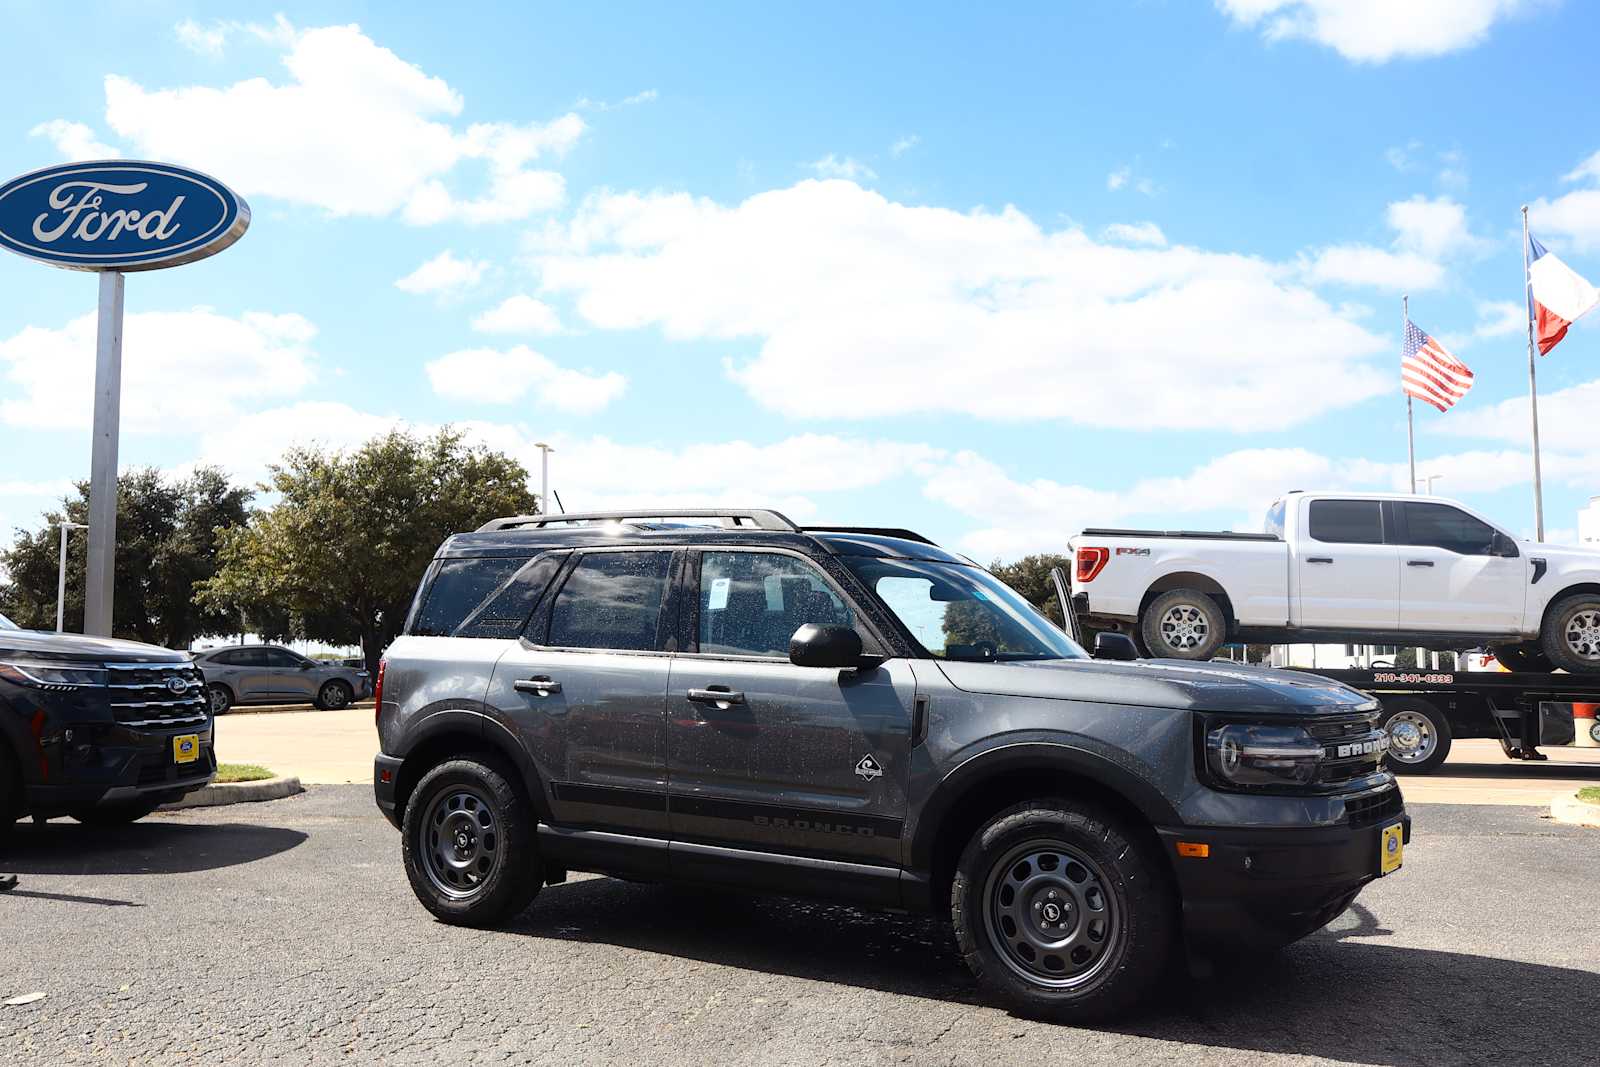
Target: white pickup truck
<point>1346,567</point>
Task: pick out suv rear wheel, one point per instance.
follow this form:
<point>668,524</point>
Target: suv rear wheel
<point>1183,624</point>
<point>1062,912</point>
<point>469,844</point>
<point>1571,633</point>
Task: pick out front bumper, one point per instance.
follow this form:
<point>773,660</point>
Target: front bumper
<point>103,764</point>
<point>1264,888</point>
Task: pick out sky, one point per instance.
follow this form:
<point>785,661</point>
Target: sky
<point>993,276</point>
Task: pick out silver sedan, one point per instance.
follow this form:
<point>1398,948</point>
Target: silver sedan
<point>271,674</point>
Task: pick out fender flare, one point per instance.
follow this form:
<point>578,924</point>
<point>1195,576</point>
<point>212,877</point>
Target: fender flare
<point>493,734</point>
<point>1083,758</point>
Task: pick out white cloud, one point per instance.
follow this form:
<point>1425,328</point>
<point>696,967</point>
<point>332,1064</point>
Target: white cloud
<point>246,445</point>
<point>519,314</point>
<point>181,369</point>
<point>1566,418</point>
<point>1435,228</point>
<point>831,166</point>
<point>1498,318</point>
<point>644,97</point>
<point>1118,178</point>
<point>445,273</point>
<point>1428,232</point>
<point>1574,217</point>
<point>1136,233</point>
<point>202,40</point>
<point>1377,267</point>
<point>923,309</point>
<point>75,141</point>
<point>902,145</point>
<point>355,130</point>
<point>1374,31</point>
<point>495,376</point>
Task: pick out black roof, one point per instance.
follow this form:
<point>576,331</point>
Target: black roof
<point>846,541</point>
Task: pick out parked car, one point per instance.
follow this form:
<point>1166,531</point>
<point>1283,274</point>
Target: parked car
<point>95,728</point>
<point>860,715</point>
<point>1367,568</point>
<point>271,674</point>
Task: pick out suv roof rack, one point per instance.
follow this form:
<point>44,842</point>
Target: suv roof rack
<point>880,531</point>
<point>754,518</point>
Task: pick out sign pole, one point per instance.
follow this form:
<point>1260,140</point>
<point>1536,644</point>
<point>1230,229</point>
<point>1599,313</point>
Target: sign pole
<point>1533,388</point>
<point>101,584</point>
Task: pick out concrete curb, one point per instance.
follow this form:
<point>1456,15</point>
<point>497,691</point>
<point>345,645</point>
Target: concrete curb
<point>1566,807</point>
<point>218,794</point>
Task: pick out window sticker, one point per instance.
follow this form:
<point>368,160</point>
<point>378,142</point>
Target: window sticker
<point>719,594</point>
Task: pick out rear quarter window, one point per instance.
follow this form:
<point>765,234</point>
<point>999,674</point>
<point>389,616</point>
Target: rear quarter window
<point>1347,522</point>
<point>488,596</point>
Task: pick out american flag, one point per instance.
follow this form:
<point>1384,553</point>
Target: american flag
<point>1429,373</point>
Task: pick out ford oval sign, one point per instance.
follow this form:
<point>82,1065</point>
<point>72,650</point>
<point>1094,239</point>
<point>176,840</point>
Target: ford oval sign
<point>120,215</point>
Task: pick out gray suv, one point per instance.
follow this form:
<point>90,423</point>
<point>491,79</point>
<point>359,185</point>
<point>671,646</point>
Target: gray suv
<point>271,674</point>
<point>857,714</point>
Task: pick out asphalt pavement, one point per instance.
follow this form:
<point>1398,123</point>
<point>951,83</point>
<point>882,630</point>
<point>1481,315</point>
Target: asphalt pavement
<point>285,932</point>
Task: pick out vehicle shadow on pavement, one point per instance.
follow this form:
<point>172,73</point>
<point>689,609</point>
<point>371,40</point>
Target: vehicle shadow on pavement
<point>1335,995</point>
<point>157,847</point>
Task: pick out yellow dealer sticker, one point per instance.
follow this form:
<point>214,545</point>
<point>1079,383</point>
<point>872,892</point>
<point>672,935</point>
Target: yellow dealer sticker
<point>186,748</point>
<point>1391,849</point>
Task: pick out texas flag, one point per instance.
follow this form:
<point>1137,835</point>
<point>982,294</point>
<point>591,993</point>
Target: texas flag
<point>1557,296</point>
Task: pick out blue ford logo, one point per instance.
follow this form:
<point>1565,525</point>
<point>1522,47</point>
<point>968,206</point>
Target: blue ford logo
<point>119,215</point>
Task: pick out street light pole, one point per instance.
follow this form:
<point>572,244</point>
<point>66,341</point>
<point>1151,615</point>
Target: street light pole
<point>544,476</point>
<point>1429,479</point>
<point>61,572</point>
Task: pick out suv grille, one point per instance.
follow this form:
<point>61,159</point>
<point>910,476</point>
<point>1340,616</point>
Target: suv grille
<point>1373,808</point>
<point>1354,748</point>
<point>147,695</point>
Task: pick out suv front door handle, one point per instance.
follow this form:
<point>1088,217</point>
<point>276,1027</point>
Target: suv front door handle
<point>539,685</point>
<point>1319,559</point>
<point>715,694</point>
<point>1419,563</point>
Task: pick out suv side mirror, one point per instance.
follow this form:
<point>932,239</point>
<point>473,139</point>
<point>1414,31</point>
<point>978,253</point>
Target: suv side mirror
<point>816,645</point>
<point>1115,646</point>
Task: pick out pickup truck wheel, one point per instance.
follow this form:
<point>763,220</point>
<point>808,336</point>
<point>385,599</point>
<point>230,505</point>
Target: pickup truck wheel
<point>1062,912</point>
<point>119,814</point>
<point>468,843</point>
<point>1419,736</point>
<point>1571,636</point>
<point>1183,624</point>
<point>1523,658</point>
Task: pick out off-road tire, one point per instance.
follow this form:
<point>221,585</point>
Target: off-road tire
<point>1201,611</point>
<point>334,695</point>
<point>517,873</point>
<point>1135,884</point>
<point>119,814</point>
<point>1528,657</point>
<point>1553,636</point>
<point>1433,732</point>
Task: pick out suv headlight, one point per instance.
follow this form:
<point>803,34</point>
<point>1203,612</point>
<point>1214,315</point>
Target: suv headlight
<point>1247,756</point>
<point>49,674</point>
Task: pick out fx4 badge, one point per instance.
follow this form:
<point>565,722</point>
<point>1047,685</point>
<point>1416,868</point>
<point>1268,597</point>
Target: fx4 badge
<point>869,768</point>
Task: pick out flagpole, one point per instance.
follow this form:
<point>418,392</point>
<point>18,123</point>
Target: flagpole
<point>1533,388</point>
<point>1411,444</point>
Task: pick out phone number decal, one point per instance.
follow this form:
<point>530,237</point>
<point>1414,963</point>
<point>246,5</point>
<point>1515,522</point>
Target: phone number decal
<point>1413,679</point>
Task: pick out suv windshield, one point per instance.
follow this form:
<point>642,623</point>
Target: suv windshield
<point>963,613</point>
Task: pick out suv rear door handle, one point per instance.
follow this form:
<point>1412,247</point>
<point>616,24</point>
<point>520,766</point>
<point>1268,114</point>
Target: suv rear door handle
<point>1319,559</point>
<point>1419,563</point>
<point>539,685</point>
<point>715,694</point>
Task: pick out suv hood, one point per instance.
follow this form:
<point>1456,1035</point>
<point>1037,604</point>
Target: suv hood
<point>83,647</point>
<point>1162,684</point>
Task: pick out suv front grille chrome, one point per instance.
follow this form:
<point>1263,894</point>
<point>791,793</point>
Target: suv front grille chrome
<point>157,695</point>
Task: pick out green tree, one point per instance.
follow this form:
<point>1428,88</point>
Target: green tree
<point>1030,576</point>
<point>167,538</point>
<point>337,558</point>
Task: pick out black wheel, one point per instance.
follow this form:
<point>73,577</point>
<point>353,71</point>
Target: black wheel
<point>221,698</point>
<point>1571,633</point>
<point>1528,657</point>
<point>119,814</point>
<point>1419,736</point>
<point>469,844</point>
<point>10,795</point>
<point>334,695</point>
<point>1062,912</point>
<point>1183,624</point>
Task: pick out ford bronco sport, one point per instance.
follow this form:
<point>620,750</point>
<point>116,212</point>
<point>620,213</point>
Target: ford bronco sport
<point>858,714</point>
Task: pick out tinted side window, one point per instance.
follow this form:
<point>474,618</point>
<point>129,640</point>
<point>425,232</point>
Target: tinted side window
<point>277,657</point>
<point>611,600</point>
<point>1349,522</point>
<point>1443,526</point>
<point>751,603</point>
<point>483,597</point>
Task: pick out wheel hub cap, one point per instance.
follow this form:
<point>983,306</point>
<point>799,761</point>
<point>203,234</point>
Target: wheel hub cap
<point>1583,634</point>
<point>459,843</point>
<point>1411,737</point>
<point>1184,626</point>
<point>1050,914</point>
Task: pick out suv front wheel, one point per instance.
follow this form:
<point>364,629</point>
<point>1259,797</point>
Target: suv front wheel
<point>469,844</point>
<point>1062,911</point>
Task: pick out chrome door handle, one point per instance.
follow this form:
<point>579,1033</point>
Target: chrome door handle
<point>714,695</point>
<point>539,685</point>
<point>1319,559</point>
<point>1419,563</point>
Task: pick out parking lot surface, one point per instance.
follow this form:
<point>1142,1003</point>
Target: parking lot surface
<point>285,932</point>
